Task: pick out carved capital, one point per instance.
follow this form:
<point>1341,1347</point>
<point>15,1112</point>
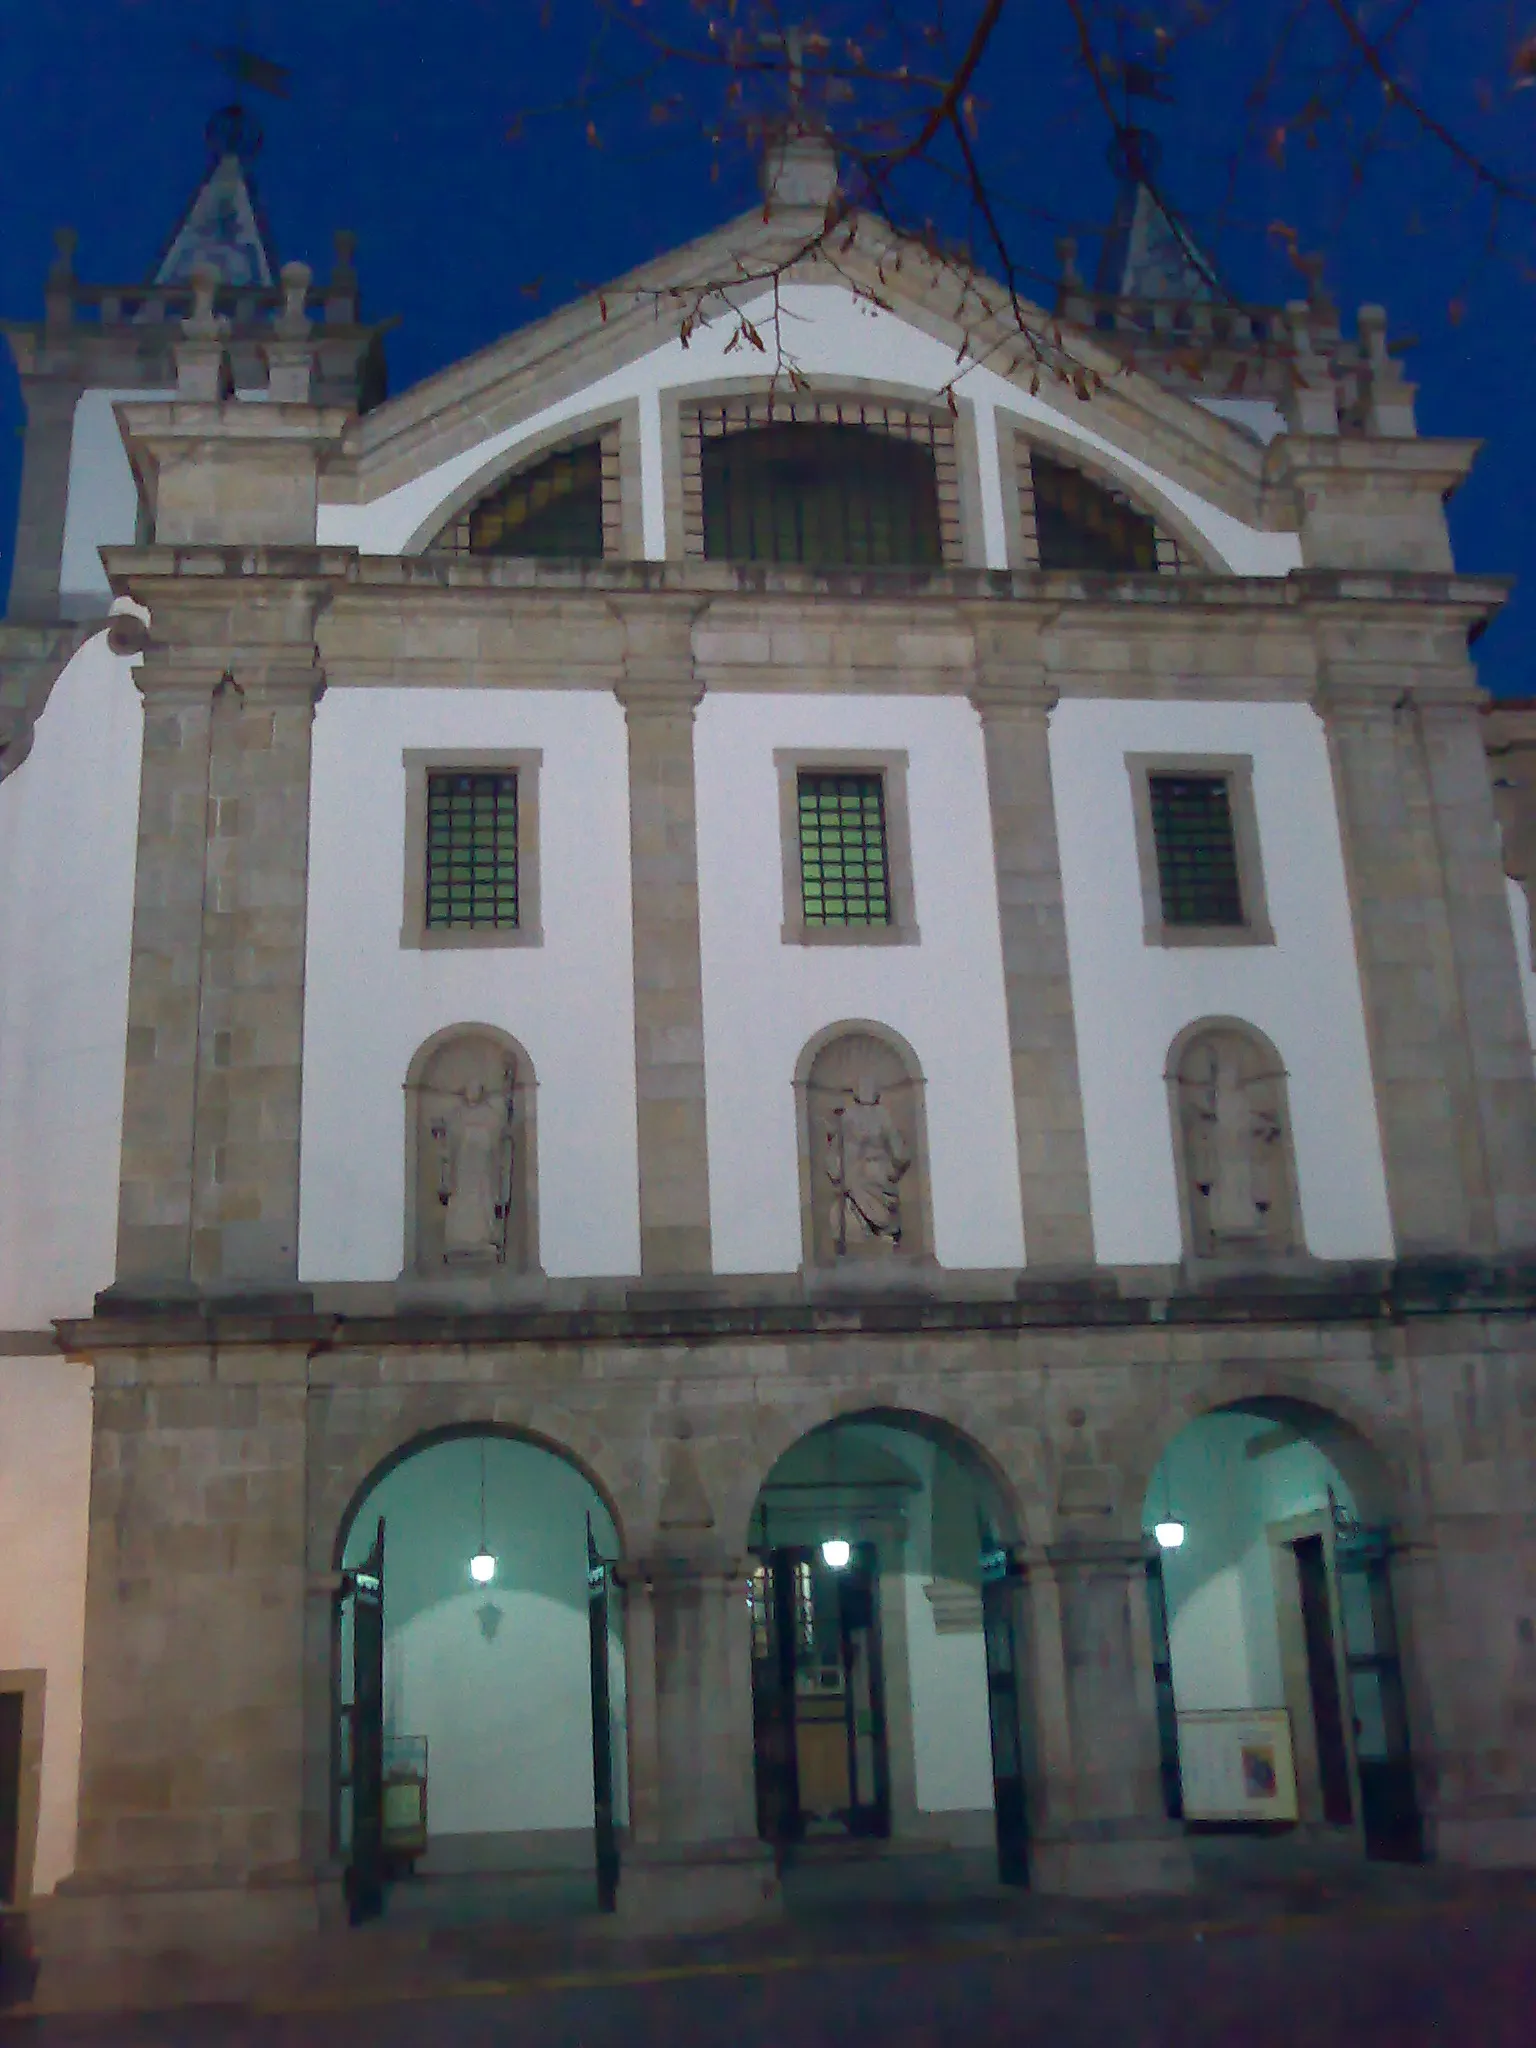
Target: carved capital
<point>1009,677</point>
<point>657,677</point>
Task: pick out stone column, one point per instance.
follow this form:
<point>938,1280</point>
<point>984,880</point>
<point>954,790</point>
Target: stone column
<point>1097,1824</point>
<point>1450,1052</point>
<point>191,1775</point>
<point>659,692</point>
<point>216,983</point>
<point>1012,697</point>
<point>693,1857</point>
<point>44,497</point>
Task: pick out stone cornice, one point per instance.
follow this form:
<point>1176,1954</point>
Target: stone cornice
<point>1332,461</point>
<point>733,1310</point>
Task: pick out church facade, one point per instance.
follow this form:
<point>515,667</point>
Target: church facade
<point>660,908</point>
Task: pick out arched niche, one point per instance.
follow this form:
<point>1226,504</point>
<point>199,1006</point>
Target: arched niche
<point>1232,1144</point>
<point>864,1192</point>
<point>471,1166</point>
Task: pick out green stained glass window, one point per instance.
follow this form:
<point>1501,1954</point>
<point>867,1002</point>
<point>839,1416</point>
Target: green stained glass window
<point>845,873</point>
<point>471,851</point>
<point>554,508</point>
<point>830,496</point>
<point>1196,850</point>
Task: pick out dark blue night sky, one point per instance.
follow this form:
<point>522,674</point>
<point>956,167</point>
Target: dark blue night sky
<point>398,129</point>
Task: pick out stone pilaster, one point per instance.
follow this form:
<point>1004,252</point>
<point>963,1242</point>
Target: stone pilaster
<point>660,692</point>
<point>1450,1052</point>
<point>216,984</point>
<point>44,497</point>
<point>693,1857</point>
<point>1011,695</point>
<point>1098,1825</point>
<point>192,1731</point>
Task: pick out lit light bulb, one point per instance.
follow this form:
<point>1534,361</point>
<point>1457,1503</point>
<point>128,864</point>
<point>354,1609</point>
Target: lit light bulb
<point>1169,1535</point>
<point>836,1552</point>
<point>482,1568</point>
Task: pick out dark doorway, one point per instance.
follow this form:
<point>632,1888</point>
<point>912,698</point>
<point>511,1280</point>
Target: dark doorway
<point>362,1733</point>
<point>1002,1581</point>
<point>1162,1687</point>
<point>1389,1807</point>
<point>1323,1680</point>
<point>604,1819</point>
<point>10,1794</point>
<point>818,1695</point>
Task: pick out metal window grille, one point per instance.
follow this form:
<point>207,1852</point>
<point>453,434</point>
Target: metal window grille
<point>1196,850</point>
<point>824,481</point>
<point>845,875</point>
<point>471,851</point>
<point>1069,520</point>
<point>566,504</point>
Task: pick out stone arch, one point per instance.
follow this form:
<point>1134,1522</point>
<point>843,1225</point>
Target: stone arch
<point>1376,1468</point>
<point>1234,1160</point>
<point>1056,440</point>
<point>789,1428</point>
<point>460,1057</point>
<point>401,1449</point>
<point>866,1069</point>
<point>612,427</point>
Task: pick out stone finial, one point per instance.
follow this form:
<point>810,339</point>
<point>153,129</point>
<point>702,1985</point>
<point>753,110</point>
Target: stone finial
<point>64,243</point>
<point>1389,395</point>
<point>1312,404</point>
<point>800,170</point>
<point>290,354</point>
<point>202,322</point>
<point>202,359</point>
<point>293,319</point>
<point>341,287</point>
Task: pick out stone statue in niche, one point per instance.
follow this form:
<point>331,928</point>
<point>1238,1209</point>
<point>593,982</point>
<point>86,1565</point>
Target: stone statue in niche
<point>473,1140</point>
<point>472,1187</point>
<point>863,1148</point>
<point>1230,1095</point>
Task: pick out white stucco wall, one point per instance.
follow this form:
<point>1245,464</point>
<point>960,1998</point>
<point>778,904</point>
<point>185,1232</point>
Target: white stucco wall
<point>829,334</point>
<point>951,1740</point>
<point>369,1003</point>
<point>68,836</point>
<point>763,1000</point>
<point>45,1469</point>
<point>1520,918</point>
<point>1131,999</point>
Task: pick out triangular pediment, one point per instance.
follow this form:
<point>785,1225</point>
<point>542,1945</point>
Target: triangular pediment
<point>221,231</point>
<point>586,342</point>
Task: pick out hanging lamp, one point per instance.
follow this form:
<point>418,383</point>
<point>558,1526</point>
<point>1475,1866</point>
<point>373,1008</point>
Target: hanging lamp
<point>482,1566</point>
<point>1170,1530</point>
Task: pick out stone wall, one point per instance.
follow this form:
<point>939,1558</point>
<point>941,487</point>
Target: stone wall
<point>227,1468</point>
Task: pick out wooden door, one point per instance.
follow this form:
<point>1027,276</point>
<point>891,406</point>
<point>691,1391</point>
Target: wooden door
<point>858,1620</point>
<point>11,1705</point>
<point>1001,1579</point>
<point>1162,1689</point>
<point>1323,1679</point>
<point>1389,1807</point>
<point>364,1879</point>
<point>605,1821</point>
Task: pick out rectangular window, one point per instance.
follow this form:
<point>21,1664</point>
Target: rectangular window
<point>472,867</point>
<point>1197,864</point>
<point>844,866</point>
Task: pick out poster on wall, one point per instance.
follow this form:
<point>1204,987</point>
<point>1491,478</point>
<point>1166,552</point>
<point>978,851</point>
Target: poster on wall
<point>1236,1764</point>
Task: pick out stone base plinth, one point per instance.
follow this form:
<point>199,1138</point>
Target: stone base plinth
<point>81,1925</point>
<point>1111,1867</point>
<point>1488,1842</point>
<point>692,1887</point>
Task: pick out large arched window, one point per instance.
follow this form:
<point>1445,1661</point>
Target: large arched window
<point>554,507</point>
<point>1070,520</point>
<point>826,494</point>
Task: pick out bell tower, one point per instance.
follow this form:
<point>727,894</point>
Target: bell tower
<point>100,344</point>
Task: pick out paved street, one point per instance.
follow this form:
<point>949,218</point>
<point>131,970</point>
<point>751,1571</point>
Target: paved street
<point>1439,1976</point>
